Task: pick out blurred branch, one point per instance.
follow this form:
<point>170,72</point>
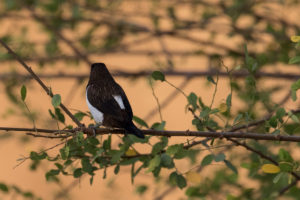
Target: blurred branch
<point>60,36</point>
<point>175,73</point>
<point>38,80</point>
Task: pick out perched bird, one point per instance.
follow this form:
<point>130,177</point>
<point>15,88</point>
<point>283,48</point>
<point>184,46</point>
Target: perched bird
<point>107,101</point>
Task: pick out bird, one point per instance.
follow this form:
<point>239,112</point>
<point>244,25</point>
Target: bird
<point>108,102</point>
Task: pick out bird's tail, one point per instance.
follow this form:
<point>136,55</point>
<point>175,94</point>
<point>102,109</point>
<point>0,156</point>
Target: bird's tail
<point>132,129</point>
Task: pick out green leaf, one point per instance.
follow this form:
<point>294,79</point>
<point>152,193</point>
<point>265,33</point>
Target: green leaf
<point>79,115</point>
<point>140,121</point>
<point>117,169</point>
<point>59,115</point>
<point>237,118</point>
<point>295,118</point>
<point>294,60</point>
<point>273,121</point>
<point>211,79</point>
<point>286,166</point>
<point>181,182</point>
<point>159,126</point>
<point>277,177</point>
<point>56,100</point>
<point>86,165</point>
<point>294,87</point>
<point>23,92</point>
<point>50,175</point>
<point>37,156</point>
<point>173,149</point>
<point>154,162</point>
<point>116,156</point>
<point>192,99</point>
<point>285,156</point>
<point>220,157</point>
<point>157,75</point>
<point>4,188</point>
<point>280,113</point>
<point>141,189</point>
<point>231,166</point>
<point>77,173</point>
<point>166,161</point>
<point>207,160</point>
<point>177,179</point>
<point>228,101</point>
<point>159,146</point>
<point>64,152</point>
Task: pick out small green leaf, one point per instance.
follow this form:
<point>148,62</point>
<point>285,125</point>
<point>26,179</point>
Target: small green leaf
<point>59,115</point>
<point>3,187</point>
<point>77,173</point>
<point>154,163</point>
<point>141,189</point>
<point>157,75</point>
<point>117,169</point>
<point>140,121</point>
<point>56,100</point>
<point>295,118</point>
<point>173,149</point>
<point>166,161</point>
<point>64,152</point>
<point>159,126</point>
<point>211,79</point>
<point>79,115</point>
<point>285,156</point>
<point>286,166</point>
<point>220,157</point>
<point>181,182</point>
<point>294,60</point>
<point>237,118</point>
<point>231,166</point>
<point>86,165</point>
<point>23,92</point>
<point>273,121</point>
<point>228,101</point>
<point>177,179</point>
<point>207,160</point>
<point>192,99</point>
<point>277,177</point>
<point>37,156</point>
<point>280,113</point>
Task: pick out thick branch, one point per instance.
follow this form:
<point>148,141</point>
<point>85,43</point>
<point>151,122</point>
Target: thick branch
<point>103,131</point>
<point>38,80</point>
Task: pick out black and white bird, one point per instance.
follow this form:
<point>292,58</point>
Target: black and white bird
<point>108,102</point>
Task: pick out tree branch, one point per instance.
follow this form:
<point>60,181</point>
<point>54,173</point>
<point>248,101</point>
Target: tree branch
<point>10,51</point>
<point>173,73</point>
<point>220,135</point>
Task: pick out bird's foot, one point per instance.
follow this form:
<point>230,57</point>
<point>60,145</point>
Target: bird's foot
<point>95,127</point>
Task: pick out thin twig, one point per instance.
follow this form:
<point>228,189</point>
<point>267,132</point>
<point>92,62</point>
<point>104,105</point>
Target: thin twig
<point>38,80</point>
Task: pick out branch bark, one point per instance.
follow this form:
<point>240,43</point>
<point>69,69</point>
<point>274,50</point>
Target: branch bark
<point>211,134</point>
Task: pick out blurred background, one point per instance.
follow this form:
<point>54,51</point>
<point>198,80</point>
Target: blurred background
<point>187,40</point>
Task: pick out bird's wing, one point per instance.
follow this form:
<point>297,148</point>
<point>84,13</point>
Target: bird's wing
<point>125,101</point>
<point>103,101</point>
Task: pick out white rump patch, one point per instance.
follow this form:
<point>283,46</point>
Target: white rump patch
<point>119,100</point>
<point>97,115</point>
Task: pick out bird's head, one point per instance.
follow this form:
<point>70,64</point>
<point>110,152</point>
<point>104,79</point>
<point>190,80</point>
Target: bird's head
<point>99,72</point>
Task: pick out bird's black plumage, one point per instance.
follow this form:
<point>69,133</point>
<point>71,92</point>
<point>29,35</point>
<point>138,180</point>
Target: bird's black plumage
<point>108,102</point>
